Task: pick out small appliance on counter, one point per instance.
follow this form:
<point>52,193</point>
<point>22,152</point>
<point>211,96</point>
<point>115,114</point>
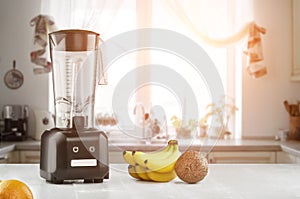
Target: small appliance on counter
<point>74,149</point>
<point>44,120</point>
<point>15,122</point>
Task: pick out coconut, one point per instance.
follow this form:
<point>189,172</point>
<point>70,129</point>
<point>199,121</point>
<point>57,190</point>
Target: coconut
<point>191,167</point>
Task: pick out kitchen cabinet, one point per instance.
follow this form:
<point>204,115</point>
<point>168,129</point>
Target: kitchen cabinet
<point>229,151</point>
<point>285,158</point>
<point>11,157</point>
<point>3,158</point>
<point>34,157</point>
<point>116,157</point>
<point>21,157</point>
<point>29,156</point>
<point>241,157</point>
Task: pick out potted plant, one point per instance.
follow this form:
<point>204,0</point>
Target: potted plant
<point>183,130</point>
<point>222,111</point>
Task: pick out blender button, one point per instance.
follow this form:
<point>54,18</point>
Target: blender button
<point>75,149</point>
<point>92,149</point>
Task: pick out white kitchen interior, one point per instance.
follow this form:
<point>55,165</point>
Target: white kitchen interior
<point>256,153</point>
<point>262,109</point>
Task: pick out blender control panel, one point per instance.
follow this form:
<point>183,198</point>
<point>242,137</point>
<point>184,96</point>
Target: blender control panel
<point>84,163</point>
<point>82,151</point>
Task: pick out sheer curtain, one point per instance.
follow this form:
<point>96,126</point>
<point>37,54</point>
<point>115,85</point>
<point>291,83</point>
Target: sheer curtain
<point>95,15</point>
<point>219,23</point>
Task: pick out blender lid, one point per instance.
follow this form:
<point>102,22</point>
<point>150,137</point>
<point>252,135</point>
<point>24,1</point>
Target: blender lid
<point>74,39</point>
<point>74,31</point>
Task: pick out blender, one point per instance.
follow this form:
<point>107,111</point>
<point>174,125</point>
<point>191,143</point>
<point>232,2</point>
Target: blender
<point>74,149</point>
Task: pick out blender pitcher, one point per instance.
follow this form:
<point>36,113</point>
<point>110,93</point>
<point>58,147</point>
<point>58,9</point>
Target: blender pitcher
<point>75,56</point>
<point>74,149</point>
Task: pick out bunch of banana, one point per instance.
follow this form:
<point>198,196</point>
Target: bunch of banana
<point>155,166</point>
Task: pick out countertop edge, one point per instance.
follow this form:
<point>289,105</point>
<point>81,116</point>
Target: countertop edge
<point>291,150</point>
<point>5,149</point>
<point>289,147</point>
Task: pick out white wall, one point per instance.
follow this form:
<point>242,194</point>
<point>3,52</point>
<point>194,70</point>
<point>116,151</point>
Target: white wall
<point>262,108</point>
<point>15,44</point>
<point>263,111</point>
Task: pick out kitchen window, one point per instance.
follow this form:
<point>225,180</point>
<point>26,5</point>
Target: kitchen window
<point>217,18</point>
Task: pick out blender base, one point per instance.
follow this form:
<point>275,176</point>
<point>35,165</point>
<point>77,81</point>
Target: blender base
<point>68,155</point>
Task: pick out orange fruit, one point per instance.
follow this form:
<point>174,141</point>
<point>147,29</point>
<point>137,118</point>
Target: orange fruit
<point>14,189</point>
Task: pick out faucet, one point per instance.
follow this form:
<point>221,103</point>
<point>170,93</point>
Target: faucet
<point>139,112</point>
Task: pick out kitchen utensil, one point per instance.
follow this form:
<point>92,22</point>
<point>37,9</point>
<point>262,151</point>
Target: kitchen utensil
<point>14,79</point>
<point>74,149</point>
<point>286,105</point>
<point>292,109</point>
<point>294,124</point>
<point>297,133</point>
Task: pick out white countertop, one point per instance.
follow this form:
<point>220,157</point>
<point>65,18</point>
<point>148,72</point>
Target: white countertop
<point>223,181</point>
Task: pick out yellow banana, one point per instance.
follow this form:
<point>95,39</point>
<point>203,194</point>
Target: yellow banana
<point>132,172</point>
<point>142,159</point>
<point>161,177</point>
<point>165,164</point>
<point>156,166</point>
<point>167,168</point>
<point>142,172</point>
<point>161,152</point>
<point>128,156</point>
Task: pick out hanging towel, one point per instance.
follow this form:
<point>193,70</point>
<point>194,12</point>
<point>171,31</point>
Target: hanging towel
<point>254,52</point>
<point>43,25</point>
